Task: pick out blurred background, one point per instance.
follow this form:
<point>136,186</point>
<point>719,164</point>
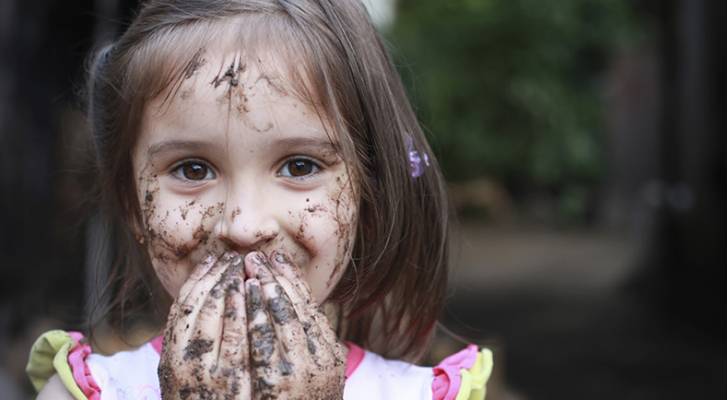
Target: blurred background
<point>583,142</point>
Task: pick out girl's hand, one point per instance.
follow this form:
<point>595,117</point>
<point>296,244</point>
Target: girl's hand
<point>205,352</point>
<point>294,352</point>
<point>227,337</point>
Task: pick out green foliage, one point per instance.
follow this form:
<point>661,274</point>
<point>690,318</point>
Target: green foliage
<point>510,88</point>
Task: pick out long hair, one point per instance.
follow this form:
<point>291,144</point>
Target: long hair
<point>393,289</point>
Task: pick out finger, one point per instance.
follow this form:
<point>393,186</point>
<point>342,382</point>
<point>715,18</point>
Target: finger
<point>203,278</point>
<point>194,331</point>
<point>233,355</point>
<point>199,270</point>
<point>321,341</point>
<point>282,311</point>
<point>298,299</point>
<point>206,339</point>
<point>320,327</point>
<point>197,273</point>
<point>181,358</point>
<point>286,321</point>
<point>282,264</point>
<point>323,335</point>
<point>184,311</point>
<point>267,366</point>
<point>167,375</point>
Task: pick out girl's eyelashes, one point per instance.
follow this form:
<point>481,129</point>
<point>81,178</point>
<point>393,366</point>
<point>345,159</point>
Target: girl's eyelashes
<point>193,170</point>
<point>299,168</point>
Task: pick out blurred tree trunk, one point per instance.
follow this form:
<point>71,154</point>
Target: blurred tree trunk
<point>42,43</point>
<point>45,44</point>
<point>688,251</point>
<point>110,14</point>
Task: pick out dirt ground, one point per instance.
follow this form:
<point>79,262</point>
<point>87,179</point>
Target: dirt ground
<point>558,310</point>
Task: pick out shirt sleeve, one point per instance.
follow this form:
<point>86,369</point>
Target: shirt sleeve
<point>60,352</point>
<point>463,375</point>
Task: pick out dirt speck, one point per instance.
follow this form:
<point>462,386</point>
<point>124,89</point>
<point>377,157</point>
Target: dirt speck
<point>315,208</point>
<point>196,348</point>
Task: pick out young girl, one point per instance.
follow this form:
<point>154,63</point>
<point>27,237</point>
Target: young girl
<point>266,176</point>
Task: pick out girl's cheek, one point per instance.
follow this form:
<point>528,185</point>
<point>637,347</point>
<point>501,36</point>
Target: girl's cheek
<point>326,227</point>
<point>179,228</point>
<point>177,233</point>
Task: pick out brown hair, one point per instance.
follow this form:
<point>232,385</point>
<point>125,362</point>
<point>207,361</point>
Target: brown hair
<point>393,289</point>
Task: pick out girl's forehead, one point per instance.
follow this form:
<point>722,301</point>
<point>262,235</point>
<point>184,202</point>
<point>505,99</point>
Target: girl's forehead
<point>231,73</point>
<point>229,92</point>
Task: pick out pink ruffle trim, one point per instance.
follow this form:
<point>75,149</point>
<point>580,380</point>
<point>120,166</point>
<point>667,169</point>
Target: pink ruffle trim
<point>356,354</point>
<point>157,344</point>
<point>81,373</point>
<point>446,384</point>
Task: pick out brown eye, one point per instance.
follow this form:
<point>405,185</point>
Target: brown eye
<point>298,168</point>
<point>194,171</point>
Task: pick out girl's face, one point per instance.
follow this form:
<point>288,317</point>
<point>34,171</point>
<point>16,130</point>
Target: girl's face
<point>234,162</point>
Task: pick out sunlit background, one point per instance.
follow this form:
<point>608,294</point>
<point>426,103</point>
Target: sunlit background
<point>583,145</point>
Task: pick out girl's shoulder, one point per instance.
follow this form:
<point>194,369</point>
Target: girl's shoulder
<point>461,376</point>
<point>129,374</point>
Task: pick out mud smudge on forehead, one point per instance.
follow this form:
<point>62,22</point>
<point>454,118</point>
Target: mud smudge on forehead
<point>183,74</point>
<point>272,83</point>
<point>194,64</point>
<point>231,74</point>
<point>242,82</point>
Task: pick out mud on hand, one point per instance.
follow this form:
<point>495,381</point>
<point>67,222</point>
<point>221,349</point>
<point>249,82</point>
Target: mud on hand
<point>205,352</point>
<point>294,352</point>
<point>262,337</point>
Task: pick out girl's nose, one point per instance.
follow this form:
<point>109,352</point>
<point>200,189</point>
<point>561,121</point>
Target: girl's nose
<point>247,227</point>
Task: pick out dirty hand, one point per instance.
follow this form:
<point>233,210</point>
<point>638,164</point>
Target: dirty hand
<point>294,353</point>
<point>205,352</point>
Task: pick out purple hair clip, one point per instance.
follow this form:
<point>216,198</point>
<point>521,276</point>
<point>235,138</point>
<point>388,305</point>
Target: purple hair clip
<point>418,160</point>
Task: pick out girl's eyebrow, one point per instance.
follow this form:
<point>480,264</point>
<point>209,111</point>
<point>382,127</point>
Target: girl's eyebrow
<point>198,145</point>
<point>169,145</point>
<point>305,141</point>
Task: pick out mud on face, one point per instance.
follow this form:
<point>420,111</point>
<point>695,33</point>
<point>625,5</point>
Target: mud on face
<point>242,104</point>
<point>160,233</point>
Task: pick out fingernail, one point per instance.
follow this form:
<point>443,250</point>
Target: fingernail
<point>280,258</point>
<point>252,265</point>
<point>258,259</point>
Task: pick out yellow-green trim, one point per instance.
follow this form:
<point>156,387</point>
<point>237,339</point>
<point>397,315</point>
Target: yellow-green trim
<point>474,379</point>
<point>48,356</point>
